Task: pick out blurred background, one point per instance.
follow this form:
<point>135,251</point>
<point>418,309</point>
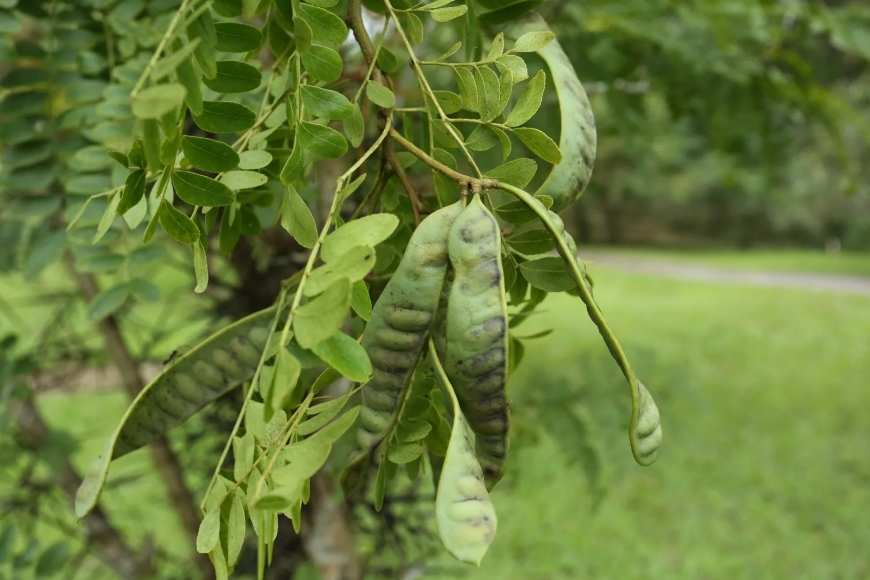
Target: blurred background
<point>727,230</point>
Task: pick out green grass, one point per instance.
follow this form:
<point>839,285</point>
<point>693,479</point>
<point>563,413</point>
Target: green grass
<point>763,470</point>
<point>851,263</point>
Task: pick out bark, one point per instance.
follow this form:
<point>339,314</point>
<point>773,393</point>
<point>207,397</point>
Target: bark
<point>328,534</point>
<point>164,458</point>
<point>102,538</point>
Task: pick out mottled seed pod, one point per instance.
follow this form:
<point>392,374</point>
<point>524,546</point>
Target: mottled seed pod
<point>218,364</point>
<point>394,338</point>
<point>477,339</point>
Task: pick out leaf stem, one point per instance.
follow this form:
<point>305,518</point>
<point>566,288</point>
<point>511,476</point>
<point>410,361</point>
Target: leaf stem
<point>474,183</point>
<point>159,50</point>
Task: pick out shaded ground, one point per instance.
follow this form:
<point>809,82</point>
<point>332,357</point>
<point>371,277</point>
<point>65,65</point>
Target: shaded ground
<point>840,283</point>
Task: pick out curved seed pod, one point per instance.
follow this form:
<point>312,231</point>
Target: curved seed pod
<point>645,432</point>
<point>577,139</point>
<point>218,364</point>
<point>396,334</point>
<point>477,340</point>
<point>464,512</point>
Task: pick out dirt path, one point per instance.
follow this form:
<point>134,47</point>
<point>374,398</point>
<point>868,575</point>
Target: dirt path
<point>838,283</point>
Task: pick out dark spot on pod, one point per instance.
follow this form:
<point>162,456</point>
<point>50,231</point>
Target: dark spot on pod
<point>398,340</point>
<point>489,331</point>
<point>467,234</point>
<point>486,384</point>
<point>495,403</point>
<point>391,360</point>
<point>408,319</point>
<point>492,425</point>
<point>485,362</point>
<point>494,447</point>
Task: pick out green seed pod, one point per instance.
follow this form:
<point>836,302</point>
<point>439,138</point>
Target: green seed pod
<point>577,139</point>
<point>218,364</point>
<point>395,336</point>
<point>477,340</point>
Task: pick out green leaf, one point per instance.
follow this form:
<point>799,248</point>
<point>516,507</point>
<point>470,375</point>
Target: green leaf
<point>413,27</point>
<point>380,95</point>
<point>467,87</point>
<point>360,301</point>
<point>448,14</point>
<point>496,49</point>
<point>323,63</point>
<point>209,531</point>
<point>366,231</point>
<point>509,13</point>
<point>488,91</point>
<point>119,157</point>
<point>45,250</point>
<point>354,126</point>
<point>322,141</point>
<point>325,103</point>
<point>237,180</point>
<point>303,34</point>
<point>354,265</point>
<point>254,159</point>
<point>402,453</point>
<point>529,101</point>
<point>483,138</point>
<point>200,266</point>
<point>296,218</point>
<point>175,223</point>
<point>52,560</point>
<point>505,141</point>
<point>200,190</point>
<point>234,77</point>
<point>345,355</point>
<point>154,102</point>
<point>284,381</point>
<point>540,144</point>
<point>518,172</point>
<point>325,25</point>
<point>236,524</point>
<point>168,65</point>
<point>387,61</point>
<point>533,41</point>
<point>221,117</point>
<point>294,166</point>
<point>513,64</point>
<point>231,230</point>
<point>450,102</point>
<point>188,77</point>
<point>532,242</point>
<point>323,316</point>
<point>209,154</point>
<point>548,274</point>
<point>134,190</point>
<point>144,290</point>
<point>450,52</point>
<point>108,301</point>
<point>243,455</point>
<point>237,37</point>
<point>108,218</point>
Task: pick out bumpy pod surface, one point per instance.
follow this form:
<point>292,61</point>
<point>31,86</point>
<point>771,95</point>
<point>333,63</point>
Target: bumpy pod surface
<point>578,139</point>
<point>400,323</point>
<point>477,338</point>
<point>193,380</point>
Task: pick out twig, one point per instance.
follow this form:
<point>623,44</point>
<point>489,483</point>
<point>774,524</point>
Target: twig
<point>474,183</point>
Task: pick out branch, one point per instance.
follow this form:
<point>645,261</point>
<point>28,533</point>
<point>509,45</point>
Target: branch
<point>101,536</point>
<point>164,458</point>
<point>370,53</point>
<point>476,184</point>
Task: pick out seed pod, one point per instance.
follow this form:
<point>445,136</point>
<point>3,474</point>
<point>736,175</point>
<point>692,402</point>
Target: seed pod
<point>218,364</point>
<point>577,138</point>
<point>395,336</point>
<point>477,339</point>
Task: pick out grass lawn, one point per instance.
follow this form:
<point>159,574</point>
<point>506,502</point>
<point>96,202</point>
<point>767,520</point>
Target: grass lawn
<point>763,470</point>
<point>850,263</point>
